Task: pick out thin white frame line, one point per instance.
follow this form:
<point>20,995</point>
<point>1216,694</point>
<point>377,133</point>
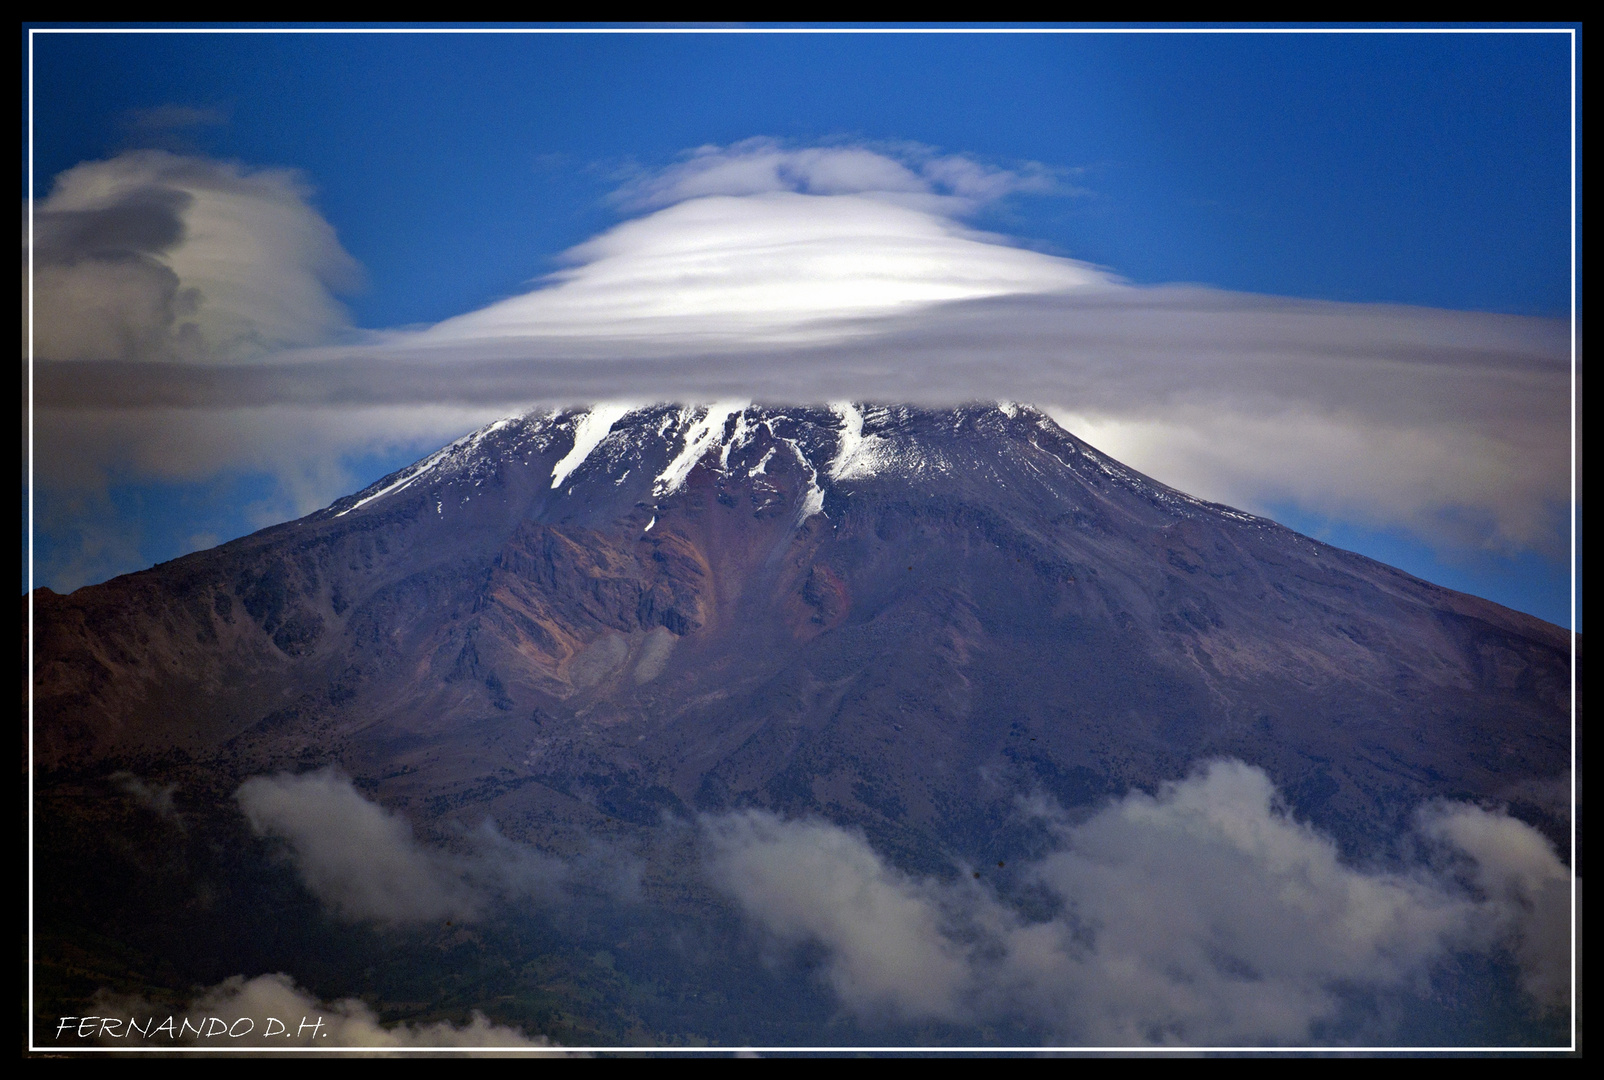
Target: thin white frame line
<point>800,30</point>
<point>556,1050</point>
<point>1570,31</point>
<point>32,938</point>
<point>1573,542</point>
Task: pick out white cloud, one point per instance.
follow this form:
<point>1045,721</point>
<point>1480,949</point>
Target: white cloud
<point>774,266</point>
<point>773,273</point>
<point>303,446</point>
<point>812,881</point>
<point>1201,915</point>
<point>906,173</point>
<point>1454,486</point>
<point>152,255</point>
<point>759,243</point>
<point>1451,426</point>
<point>1516,870</point>
<point>103,310</point>
<point>814,274</point>
<point>364,862</point>
<point>353,855</point>
<point>271,1010</point>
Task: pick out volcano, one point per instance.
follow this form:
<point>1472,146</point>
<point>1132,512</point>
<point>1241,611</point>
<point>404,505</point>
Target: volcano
<point>592,622</point>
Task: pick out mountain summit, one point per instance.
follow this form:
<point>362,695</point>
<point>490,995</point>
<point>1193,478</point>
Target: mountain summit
<point>902,618</point>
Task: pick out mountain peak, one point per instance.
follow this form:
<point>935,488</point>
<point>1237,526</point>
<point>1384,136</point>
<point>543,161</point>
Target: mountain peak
<point>642,455</point>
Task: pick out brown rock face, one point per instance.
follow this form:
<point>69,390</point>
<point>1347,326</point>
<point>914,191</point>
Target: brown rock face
<point>901,618</point>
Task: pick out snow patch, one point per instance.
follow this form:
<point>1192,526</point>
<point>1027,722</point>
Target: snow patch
<point>461,448</point>
<point>698,440</point>
<point>677,418</point>
<point>858,455</point>
<point>1052,455</point>
<point>813,498</point>
<point>588,434</point>
<point>738,438</point>
<point>850,440</point>
<point>406,480</point>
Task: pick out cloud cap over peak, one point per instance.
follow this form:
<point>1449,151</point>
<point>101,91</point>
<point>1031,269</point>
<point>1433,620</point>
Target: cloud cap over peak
<point>770,267</point>
<point>759,243</point>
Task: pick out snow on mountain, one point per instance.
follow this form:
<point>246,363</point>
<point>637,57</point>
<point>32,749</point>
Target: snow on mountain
<point>648,453</point>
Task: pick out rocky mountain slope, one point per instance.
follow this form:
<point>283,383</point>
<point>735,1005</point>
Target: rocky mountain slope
<point>903,619</point>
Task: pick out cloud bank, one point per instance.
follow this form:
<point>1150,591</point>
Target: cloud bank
<point>1201,915</point>
<point>364,862</point>
<point>771,273</point>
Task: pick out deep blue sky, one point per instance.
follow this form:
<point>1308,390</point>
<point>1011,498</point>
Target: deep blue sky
<point>1419,169</point>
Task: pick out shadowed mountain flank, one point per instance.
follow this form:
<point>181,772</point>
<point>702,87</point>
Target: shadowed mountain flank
<point>771,725</point>
<point>905,619</point>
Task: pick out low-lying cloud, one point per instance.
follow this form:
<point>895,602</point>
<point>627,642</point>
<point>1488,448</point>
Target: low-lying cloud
<point>891,953</point>
<point>157,798</point>
<point>365,863</point>
<point>271,1010</point>
<point>1201,915</point>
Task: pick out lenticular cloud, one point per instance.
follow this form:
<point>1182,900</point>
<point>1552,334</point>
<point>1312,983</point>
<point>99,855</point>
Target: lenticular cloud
<point>778,266</point>
<point>759,244</point>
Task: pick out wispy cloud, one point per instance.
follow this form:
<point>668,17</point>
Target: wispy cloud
<point>176,117</point>
<point>905,173</point>
<point>365,863</point>
<point>359,859</point>
<point>158,798</point>
<point>1202,914</point>
<point>1452,426</point>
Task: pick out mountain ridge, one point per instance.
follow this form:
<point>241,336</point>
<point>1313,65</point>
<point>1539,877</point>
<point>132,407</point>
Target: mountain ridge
<point>740,604</point>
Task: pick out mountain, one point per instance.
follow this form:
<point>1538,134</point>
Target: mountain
<point>592,622</point>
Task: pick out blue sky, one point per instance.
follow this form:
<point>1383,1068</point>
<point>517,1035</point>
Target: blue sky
<point>455,170</point>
